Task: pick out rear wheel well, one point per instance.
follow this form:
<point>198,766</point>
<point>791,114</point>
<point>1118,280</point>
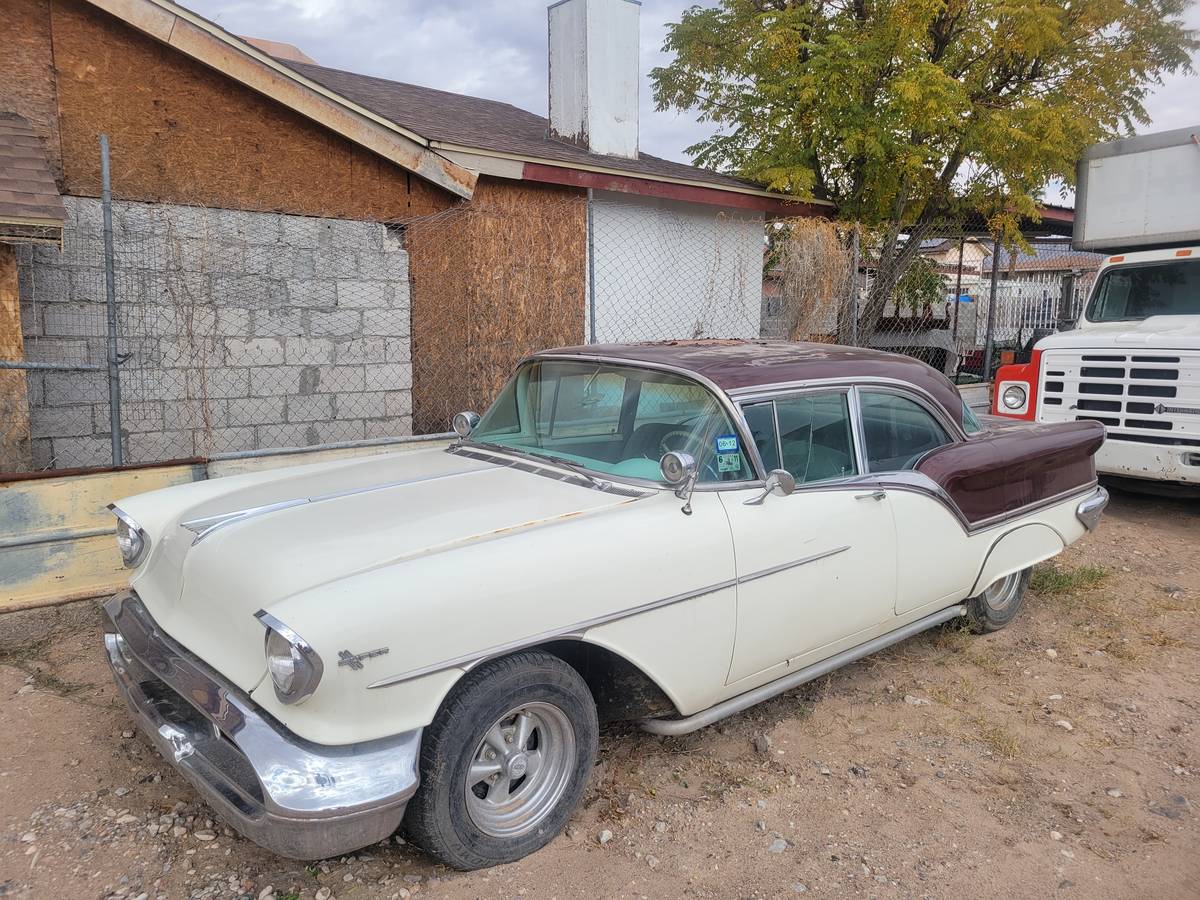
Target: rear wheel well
<point>621,690</point>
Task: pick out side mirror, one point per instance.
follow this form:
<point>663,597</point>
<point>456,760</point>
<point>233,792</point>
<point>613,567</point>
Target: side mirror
<point>464,423</point>
<point>779,482</point>
<point>678,470</point>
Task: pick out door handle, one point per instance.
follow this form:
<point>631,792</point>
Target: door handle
<point>874,495</point>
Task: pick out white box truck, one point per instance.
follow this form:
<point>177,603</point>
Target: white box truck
<point>1132,361</point>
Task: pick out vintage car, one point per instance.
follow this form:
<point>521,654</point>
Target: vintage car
<point>666,533</point>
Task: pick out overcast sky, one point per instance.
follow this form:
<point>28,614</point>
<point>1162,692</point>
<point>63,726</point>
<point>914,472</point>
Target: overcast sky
<point>497,49</point>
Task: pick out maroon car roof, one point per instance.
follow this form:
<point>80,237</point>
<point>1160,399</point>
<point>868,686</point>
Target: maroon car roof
<point>735,364</point>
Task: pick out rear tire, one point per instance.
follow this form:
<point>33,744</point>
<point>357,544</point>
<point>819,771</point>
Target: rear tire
<point>999,604</point>
<point>504,762</point>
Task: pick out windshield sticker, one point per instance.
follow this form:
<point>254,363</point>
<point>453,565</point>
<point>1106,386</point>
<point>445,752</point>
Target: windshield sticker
<point>728,443</point>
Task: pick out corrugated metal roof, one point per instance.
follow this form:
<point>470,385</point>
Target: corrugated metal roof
<point>30,207</point>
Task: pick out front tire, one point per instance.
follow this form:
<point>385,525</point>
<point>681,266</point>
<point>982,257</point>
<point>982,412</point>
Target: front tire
<point>999,604</point>
<point>504,762</point>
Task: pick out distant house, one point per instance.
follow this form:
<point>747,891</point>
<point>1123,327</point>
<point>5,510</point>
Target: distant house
<point>309,162</point>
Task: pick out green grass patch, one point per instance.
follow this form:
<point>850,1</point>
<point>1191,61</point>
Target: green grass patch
<point>1050,579</point>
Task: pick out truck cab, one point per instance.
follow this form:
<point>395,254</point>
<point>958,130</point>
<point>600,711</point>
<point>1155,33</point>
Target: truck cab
<point>1132,360</point>
<point>1132,364</point>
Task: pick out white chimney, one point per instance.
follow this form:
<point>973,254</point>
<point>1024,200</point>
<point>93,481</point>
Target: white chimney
<point>594,74</point>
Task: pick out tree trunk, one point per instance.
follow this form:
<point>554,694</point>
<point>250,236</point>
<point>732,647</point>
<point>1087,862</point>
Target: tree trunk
<point>894,260</point>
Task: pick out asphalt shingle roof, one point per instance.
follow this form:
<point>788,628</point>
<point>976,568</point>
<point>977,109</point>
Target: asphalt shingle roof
<point>27,189</point>
<point>489,125</point>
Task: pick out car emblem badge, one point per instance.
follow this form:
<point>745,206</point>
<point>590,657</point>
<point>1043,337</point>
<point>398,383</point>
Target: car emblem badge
<point>355,660</point>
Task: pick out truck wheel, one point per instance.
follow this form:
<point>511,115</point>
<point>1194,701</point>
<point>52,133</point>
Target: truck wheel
<point>998,605</point>
<point>504,762</point>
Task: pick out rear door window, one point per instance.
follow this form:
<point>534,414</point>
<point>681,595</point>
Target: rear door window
<point>897,431</point>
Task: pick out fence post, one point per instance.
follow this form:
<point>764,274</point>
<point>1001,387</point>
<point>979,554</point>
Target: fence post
<point>591,264</point>
<point>988,342</point>
<point>110,296</point>
<point>854,259</point>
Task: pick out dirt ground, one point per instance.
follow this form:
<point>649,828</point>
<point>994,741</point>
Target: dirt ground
<point>1060,757</point>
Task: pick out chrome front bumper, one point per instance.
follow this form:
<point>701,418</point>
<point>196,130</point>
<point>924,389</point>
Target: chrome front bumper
<point>296,798</point>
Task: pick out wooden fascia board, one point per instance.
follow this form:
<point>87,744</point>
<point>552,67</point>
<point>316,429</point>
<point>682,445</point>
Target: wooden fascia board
<point>205,42</point>
<point>771,204</point>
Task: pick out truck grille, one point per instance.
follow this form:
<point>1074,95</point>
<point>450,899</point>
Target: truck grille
<point>1147,396</point>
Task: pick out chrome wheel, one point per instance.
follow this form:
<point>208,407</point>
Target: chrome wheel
<point>1001,595</point>
<point>520,770</point>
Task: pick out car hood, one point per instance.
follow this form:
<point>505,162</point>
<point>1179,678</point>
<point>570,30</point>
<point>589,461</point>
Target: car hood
<point>1156,332</point>
<point>279,534</point>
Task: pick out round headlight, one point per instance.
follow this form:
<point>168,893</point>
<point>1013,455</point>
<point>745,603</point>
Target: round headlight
<point>294,666</point>
<point>131,540</point>
<point>1013,397</point>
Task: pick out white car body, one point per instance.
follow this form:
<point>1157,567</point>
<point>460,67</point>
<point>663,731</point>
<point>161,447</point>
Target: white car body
<point>403,571</point>
<point>1160,441</point>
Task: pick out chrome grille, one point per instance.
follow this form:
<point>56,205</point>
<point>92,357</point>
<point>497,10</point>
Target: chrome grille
<point>1147,396</point>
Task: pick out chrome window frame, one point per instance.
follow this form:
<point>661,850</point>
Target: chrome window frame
<point>953,431</point>
<point>852,411</point>
<point>731,408</point>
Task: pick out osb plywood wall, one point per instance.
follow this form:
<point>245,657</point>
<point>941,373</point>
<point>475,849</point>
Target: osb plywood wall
<point>15,448</point>
<point>182,133</point>
<point>492,281</point>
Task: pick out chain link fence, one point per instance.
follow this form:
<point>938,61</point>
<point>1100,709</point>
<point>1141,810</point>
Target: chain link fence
<point>239,332</point>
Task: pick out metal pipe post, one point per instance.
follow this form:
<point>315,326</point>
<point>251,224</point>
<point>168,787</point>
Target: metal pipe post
<point>591,264</point>
<point>110,296</point>
<point>958,289</point>
<point>988,342</point>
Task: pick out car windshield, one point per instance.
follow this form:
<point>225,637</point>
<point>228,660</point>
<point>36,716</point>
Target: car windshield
<point>613,420</point>
<point>1150,289</point>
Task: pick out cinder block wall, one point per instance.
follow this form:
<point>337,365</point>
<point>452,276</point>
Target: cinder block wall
<point>242,330</point>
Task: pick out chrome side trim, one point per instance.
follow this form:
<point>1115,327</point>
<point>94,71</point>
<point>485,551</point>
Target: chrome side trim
<point>808,673</point>
<point>549,470</point>
<point>205,526</point>
<point>577,630</point>
<point>1089,510</point>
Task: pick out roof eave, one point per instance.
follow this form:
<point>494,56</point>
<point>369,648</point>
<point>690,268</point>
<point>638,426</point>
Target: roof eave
<point>209,44</point>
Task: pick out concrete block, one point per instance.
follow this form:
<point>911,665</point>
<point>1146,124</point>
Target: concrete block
<point>336,263</point>
<point>185,353</point>
<point>314,408</point>
<point>45,285</point>
<point>84,212</point>
<point>383,428</point>
<point>300,231</point>
<point>305,351</point>
<point>362,405</point>
<point>299,434</point>
<point>199,412</point>
<point>340,322</point>
<point>278,323</point>
<point>251,411</point>
<point>383,265</point>
<point>154,446</point>
<point>397,350</point>
<point>233,321</point>
<point>337,233</point>
<point>254,352</point>
<point>86,286</point>
<point>296,263</point>
<point>62,350</point>
<point>274,381</point>
<point>223,382</point>
<point>137,416</point>
<point>358,294</point>
<point>398,403</point>
<point>43,453</point>
<point>70,388</point>
<point>340,379</point>
<point>313,294</point>
<point>389,377</point>
<point>242,290</point>
<point>386,322</point>
<point>359,350</point>
<point>226,440</point>
<point>74,452</point>
<point>63,421</point>
<point>31,320</point>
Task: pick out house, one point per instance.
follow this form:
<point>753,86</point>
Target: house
<point>307,256</point>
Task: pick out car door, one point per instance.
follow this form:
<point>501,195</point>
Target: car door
<point>817,567</point>
<point>936,564</point>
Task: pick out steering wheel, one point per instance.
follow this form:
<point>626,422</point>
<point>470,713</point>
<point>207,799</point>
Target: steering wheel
<point>677,439</point>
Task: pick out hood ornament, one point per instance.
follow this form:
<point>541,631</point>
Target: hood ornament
<point>355,660</point>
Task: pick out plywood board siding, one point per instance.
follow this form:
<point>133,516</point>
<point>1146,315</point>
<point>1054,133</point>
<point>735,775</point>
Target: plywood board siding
<point>15,447</point>
<point>27,87</point>
<point>183,133</point>
<point>491,283</point>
